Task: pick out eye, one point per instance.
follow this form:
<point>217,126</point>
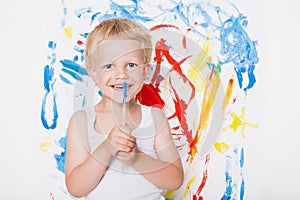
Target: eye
<point>132,65</point>
<point>108,67</point>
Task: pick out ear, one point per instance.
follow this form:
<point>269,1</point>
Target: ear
<point>146,71</point>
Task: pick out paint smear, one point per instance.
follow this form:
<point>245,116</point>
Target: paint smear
<point>60,158</point>
<point>198,195</point>
<point>200,63</point>
<point>68,32</point>
<point>187,188</point>
<point>210,92</point>
<point>222,147</point>
<point>228,179</point>
<point>49,114</point>
<point>242,162</point>
<point>228,92</point>
<point>43,145</point>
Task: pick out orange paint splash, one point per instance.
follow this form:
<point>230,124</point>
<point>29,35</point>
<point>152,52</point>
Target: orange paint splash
<point>228,92</point>
<point>208,99</point>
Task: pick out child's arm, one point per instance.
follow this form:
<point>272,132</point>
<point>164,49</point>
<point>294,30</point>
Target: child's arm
<point>166,171</point>
<point>83,170</point>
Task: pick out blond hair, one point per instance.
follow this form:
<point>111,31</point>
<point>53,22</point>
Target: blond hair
<point>119,28</point>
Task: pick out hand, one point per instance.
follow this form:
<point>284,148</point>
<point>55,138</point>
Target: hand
<point>128,157</point>
<point>119,139</point>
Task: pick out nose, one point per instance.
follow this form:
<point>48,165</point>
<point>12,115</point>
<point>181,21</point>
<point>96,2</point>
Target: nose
<point>121,73</point>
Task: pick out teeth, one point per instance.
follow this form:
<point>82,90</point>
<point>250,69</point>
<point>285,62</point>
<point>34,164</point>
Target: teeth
<point>118,87</point>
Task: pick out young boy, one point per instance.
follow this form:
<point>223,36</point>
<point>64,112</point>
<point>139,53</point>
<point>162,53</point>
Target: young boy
<point>110,156</point>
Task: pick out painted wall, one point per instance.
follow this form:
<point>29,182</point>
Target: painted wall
<point>25,174</point>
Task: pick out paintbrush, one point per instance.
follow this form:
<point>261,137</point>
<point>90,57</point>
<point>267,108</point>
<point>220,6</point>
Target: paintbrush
<point>125,85</point>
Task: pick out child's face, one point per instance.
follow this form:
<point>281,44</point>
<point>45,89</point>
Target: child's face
<point>116,62</point>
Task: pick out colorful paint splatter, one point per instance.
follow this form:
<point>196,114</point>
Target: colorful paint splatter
<point>202,71</point>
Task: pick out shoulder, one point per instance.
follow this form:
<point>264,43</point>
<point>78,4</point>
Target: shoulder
<point>159,118</point>
<point>157,113</point>
<point>78,127</point>
<point>78,121</point>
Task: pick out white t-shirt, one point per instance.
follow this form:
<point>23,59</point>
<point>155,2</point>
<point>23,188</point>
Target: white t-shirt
<point>121,181</point>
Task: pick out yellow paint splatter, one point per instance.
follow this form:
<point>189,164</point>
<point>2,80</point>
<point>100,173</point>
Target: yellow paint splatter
<point>170,194</point>
<point>210,92</point>
<point>187,188</point>
<point>194,72</point>
<point>68,32</point>
<point>43,145</point>
<point>221,147</point>
<point>239,120</point>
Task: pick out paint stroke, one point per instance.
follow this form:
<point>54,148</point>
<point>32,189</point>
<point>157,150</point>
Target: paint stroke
<point>72,69</point>
<point>242,51</point>
<point>228,92</point>
<point>43,145</point>
<point>49,121</point>
<point>212,86</point>
<point>228,178</point>
<point>198,195</point>
<point>187,188</point>
<point>242,186</point>
<point>60,158</point>
<point>221,147</point>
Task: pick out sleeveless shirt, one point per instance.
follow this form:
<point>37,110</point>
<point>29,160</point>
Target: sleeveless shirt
<point>121,181</point>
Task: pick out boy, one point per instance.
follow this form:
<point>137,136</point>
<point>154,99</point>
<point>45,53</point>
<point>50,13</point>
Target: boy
<point>110,156</point>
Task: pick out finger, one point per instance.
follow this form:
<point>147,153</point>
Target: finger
<point>126,143</point>
<point>127,137</point>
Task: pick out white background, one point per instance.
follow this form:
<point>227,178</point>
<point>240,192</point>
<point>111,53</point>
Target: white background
<point>23,37</point>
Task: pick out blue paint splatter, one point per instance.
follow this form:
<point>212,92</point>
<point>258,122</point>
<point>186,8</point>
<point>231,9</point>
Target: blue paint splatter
<point>64,79</point>
<point>237,47</point>
<point>242,159</point>
<point>74,66</point>
<point>228,179</point>
<point>49,81</point>
<point>242,162</point>
<point>60,158</point>
<point>73,69</point>
<point>45,122</point>
<point>48,77</point>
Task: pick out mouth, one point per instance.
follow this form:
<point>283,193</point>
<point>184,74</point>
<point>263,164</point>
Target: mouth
<point>119,86</point>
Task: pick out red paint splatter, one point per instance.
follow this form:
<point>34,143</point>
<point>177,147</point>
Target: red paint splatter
<point>79,42</point>
<point>175,128</point>
<point>149,96</point>
<point>204,180</point>
<point>163,26</point>
<point>161,49</point>
<point>180,108</point>
<point>233,101</point>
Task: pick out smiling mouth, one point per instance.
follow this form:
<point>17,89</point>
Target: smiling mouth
<point>119,86</point>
